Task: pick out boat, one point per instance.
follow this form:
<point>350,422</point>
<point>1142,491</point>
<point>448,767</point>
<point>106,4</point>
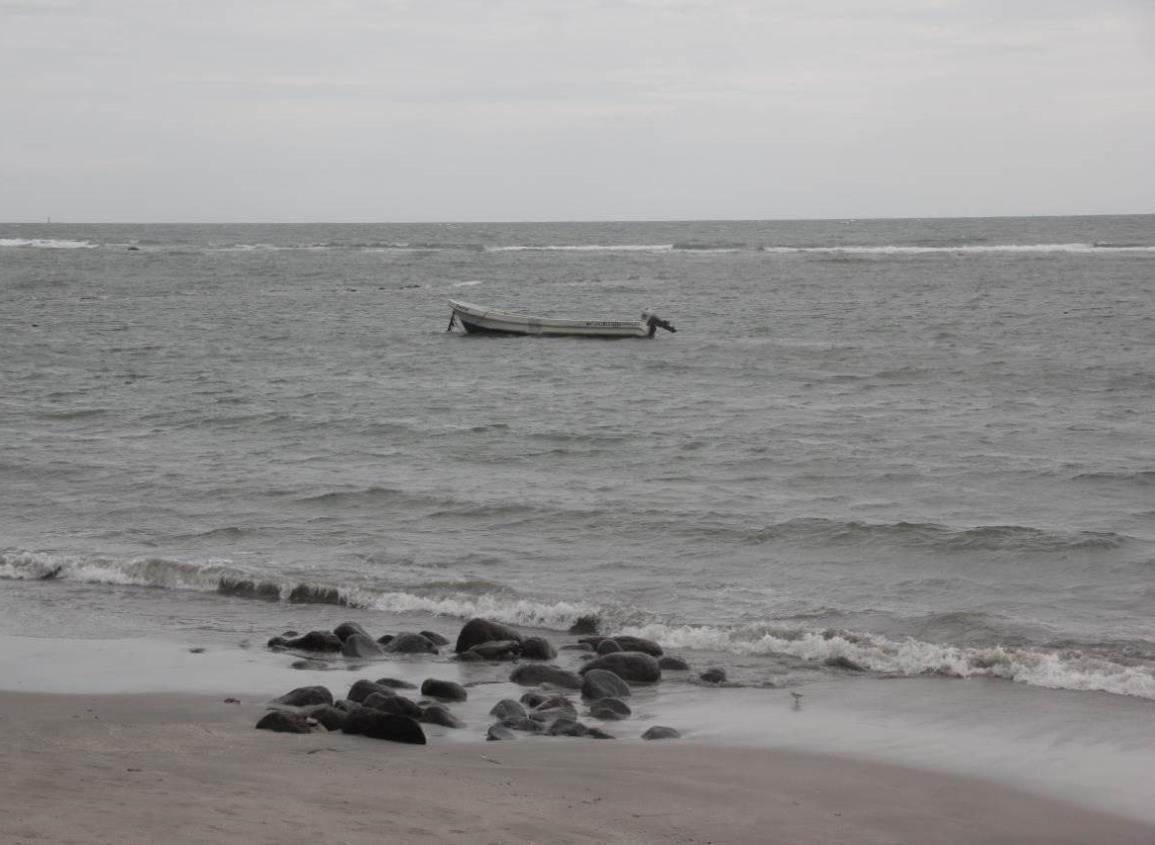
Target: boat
<point>477,319</point>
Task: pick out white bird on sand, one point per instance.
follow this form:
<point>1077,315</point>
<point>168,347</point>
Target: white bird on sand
<point>797,700</point>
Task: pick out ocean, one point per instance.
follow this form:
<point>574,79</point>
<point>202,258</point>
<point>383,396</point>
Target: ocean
<point>921,446</point>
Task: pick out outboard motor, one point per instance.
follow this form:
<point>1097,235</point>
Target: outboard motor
<point>655,322</point>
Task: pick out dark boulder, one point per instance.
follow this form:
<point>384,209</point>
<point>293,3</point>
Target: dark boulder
<point>602,683</point>
<point>593,642</point>
<point>673,664</point>
<point>325,641</point>
<point>713,675</point>
<point>310,664</point>
<point>595,732</point>
<point>526,725</point>
<point>438,714</point>
<point>537,648</point>
<point>634,667</point>
<point>507,708</point>
<point>585,625</point>
<point>399,705</point>
<point>410,644</point>
<point>445,690</point>
<point>641,644</point>
<point>385,639</point>
<point>477,631</point>
<point>347,629</point>
<point>841,662</point>
<point>366,721</point>
<point>305,696</point>
<point>499,732</point>
<point>609,709</point>
<point>362,689</point>
<point>393,683</point>
<point>469,657</point>
<point>497,650</point>
<point>285,722</point>
<point>608,647</point>
<point>567,727</point>
<point>435,638</point>
<point>360,645</point>
<point>533,698</point>
<point>661,732</point>
<point>331,717</point>
<point>533,674</point>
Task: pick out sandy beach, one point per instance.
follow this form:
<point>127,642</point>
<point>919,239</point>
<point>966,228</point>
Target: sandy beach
<point>188,768</point>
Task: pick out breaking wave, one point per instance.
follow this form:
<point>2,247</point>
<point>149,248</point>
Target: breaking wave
<point>941,537</point>
<point>1069,669</point>
<point>1117,669</point>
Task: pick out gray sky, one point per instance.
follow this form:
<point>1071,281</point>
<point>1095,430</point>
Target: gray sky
<point>405,110</point>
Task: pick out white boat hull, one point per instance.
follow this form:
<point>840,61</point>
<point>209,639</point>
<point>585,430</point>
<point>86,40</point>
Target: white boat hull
<point>478,319</point>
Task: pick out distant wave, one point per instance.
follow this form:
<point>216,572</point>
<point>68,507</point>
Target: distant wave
<point>932,535</point>
<point>1104,668</point>
<point>46,243</point>
<point>1143,477</point>
<point>843,250</point>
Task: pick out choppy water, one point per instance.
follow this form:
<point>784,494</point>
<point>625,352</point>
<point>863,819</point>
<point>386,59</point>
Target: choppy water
<point>926,446</point>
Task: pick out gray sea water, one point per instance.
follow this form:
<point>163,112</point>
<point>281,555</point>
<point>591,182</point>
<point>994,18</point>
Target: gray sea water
<point>924,446</point>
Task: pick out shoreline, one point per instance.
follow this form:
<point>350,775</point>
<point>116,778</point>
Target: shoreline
<point>179,767</point>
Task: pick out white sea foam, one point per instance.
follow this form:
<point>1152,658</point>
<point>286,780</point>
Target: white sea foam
<point>46,243</point>
<point>1037,667</point>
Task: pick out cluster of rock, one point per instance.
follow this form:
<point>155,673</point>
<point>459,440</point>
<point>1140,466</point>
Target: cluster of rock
<point>377,708</point>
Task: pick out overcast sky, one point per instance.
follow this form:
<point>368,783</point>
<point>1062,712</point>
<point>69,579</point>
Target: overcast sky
<point>408,110</point>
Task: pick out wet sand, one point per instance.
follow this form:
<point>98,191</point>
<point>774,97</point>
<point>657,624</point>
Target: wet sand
<point>180,768</point>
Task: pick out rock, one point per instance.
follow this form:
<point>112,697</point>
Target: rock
<point>593,642</point>
<point>507,708</point>
<point>477,631</point>
<point>445,690</point>
<point>469,657</point>
<point>609,709</point>
<point>526,725</point>
<point>533,698</point>
<point>410,644</point>
<point>713,675</point>
<point>346,705</point>
<point>308,663</point>
<point>347,629</point>
<point>285,722</point>
<point>634,667</point>
<point>841,662</point>
<point>385,639</point>
<point>393,683</point>
<point>305,696</point>
<point>585,625</point>
<point>567,727</point>
<point>438,714</point>
<point>577,647</point>
<point>608,647</point>
<point>497,650</point>
<point>673,664</point>
<point>645,646</point>
<point>366,721</point>
<point>537,648</point>
<point>598,733</point>
<point>499,732</point>
<point>661,732</point>
<point>602,683</point>
<point>325,641</point>
<point>360,645</point>
<point>399,705</point>
<point>534,674</point>
<point>362,689</point>
<point>435,638</point>
<point>331,717</point>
